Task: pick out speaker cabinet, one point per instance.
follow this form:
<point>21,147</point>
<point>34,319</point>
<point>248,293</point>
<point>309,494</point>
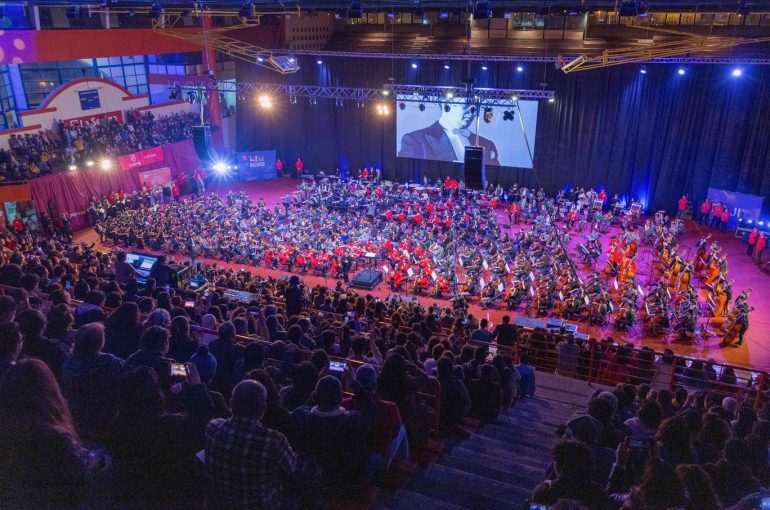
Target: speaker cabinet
<point>475,176</point>
<point>202,143</point>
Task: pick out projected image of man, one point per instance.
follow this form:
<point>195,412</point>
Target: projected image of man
<point>446,139</point>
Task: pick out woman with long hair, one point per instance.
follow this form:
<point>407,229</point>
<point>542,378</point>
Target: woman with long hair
<point>59,327</point>
<point>42,461</point>
<point>700,490</point>
<point>181,344</point>
<point>123,331</point>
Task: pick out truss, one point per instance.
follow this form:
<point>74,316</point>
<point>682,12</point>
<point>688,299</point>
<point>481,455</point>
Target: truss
<point>690,43</point>
<point>392,92</point>
<point>521,58</point>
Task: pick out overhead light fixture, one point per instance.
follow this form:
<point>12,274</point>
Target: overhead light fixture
<point>339,102</point>
<point>220,168</point>
<point>446,65</point>
<point>414,65</point>
<point>421,107</point>
<point>105,164</point>
<point>551,100</point>
<point>402,106</point>
<point>450,94</point>
<point>680,71</point>
<point>247,10</point>
<point>385,92</point>
<point>319,61</point>
<point>484,66</point>
<point>643,69</point>
<point>519,68</point>
<point>443,14</point>
<point>447,108</point>
<point>90,163</point>
<point>508,115</point>
<point>737,72</point>
<point>72,167</point>
<point>155,11</point>
<point>265,101</point>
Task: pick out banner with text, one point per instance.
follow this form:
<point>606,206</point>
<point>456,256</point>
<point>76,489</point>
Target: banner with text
<point>141,158</point>
<point>256,165</point>
<point>741,205</point>
<point>155,177</point>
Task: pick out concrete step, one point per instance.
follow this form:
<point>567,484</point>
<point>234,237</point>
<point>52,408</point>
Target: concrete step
<point>408,500</point>
<point>521,478</point>
<point>499,494</point>
<point>533,451</point>
<point>531,468</point>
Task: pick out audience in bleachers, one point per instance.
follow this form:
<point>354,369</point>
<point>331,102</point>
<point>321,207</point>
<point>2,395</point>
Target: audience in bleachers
<point>118,399</point>
<point>51,150</point>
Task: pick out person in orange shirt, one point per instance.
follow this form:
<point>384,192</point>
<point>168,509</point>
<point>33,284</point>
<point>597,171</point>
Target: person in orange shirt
<point>753,235</point>
<point>760,248</point>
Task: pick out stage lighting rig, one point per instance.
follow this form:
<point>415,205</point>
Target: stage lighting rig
<point>508,115</point>
<point>482,10</point>
<point>488,115</point>
<point>421,107</point>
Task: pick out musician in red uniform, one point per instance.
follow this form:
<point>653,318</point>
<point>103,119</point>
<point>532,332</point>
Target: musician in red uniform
<point>514,213</point>
<point>716,217</point>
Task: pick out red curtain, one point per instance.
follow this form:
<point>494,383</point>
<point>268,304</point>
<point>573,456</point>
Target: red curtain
<point>72,189</point>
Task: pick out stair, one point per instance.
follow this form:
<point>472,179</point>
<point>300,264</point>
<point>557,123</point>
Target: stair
<point>498,465</point>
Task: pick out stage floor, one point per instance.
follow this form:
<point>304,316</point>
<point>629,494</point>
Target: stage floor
<point>754,353</point>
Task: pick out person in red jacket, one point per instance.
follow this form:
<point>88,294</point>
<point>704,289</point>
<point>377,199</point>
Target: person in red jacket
<point>175,192</point>
<point>705,211</point>
<point>725,217</point>
<point>682,207</point>
<point>716,217</point>
<point>278,168</point>
<point>18,226</point>
<point>299,166</point>
<point>760,248</point>
<point>514,213</point>
<point>753,235</point>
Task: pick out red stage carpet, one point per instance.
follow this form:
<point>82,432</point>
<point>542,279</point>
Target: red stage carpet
<point>754,353</point>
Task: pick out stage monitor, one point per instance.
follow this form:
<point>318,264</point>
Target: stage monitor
<point>441,131</point>
<point>141,262</point>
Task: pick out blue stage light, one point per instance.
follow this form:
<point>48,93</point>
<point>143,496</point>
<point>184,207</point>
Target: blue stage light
<point>680,71</point>
<point>737,72</point>
<point>414,65</point>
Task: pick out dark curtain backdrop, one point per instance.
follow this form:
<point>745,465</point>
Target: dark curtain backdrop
<point>72,189</point>
<point>653,137</point>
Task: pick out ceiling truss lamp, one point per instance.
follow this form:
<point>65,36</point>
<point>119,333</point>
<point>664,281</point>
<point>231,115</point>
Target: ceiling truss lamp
<point>339,102</point>
<point>319,61</point>
<point>680,71</point>
<point>551,100</point>
<point>265,101</point>
<point>450,95</point>
<point>402,106</point>
<point>105,164</point>
<point>247,10</point>
<point>482,10</point>
<point>446,65</point>
<point>292,99</point>
<point>484,66</point>
<point>643,69</point>
<point>382,109</point>
<point>421,107</point>
<point>414,65</point>
<point>737,72</point>
<point>155,11</point>
<point>443,14</point>
<point>313,100</point>
<point>519,68</point>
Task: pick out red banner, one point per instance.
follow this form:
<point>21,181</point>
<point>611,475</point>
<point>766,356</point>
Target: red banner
<point>117,115</point>
<point>141,158</point>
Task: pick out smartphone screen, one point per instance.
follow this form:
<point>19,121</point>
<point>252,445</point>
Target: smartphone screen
<point>189,304</point>
<point>337,366</point>
<point>177,370</point>
<point>67,285</point>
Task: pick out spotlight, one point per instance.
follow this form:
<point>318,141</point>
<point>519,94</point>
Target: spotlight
<point>484,67</point>
<point>90,162</point>
<point>402,106</point>
<point>551,100</point>
<point>391,14</point>
<point>155,11</point>
<point>106,164</point>
<point>643,69</point>
<point>421,107</point>
<point>446,66</point>
<point>246,10</point>
<point>220,168</point>
<point>385,92</point>
<point>447,108</point>
<point>414,65</point>
<point>680,71</point>
<point>519,68</point>
<point>514,98</point>
<point>72,167</point>
<point>443,14</point>
<point>313,100</point>
<point>508,115</point>
<point>73,11</point>
<point>761,223</point>
<point>260,59</point>
<point>319,61</point>
<point>450,94</point>
<point>339,102</point>
<point>265,101</point>
<point>737,72</point>
<point>751,221</point>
